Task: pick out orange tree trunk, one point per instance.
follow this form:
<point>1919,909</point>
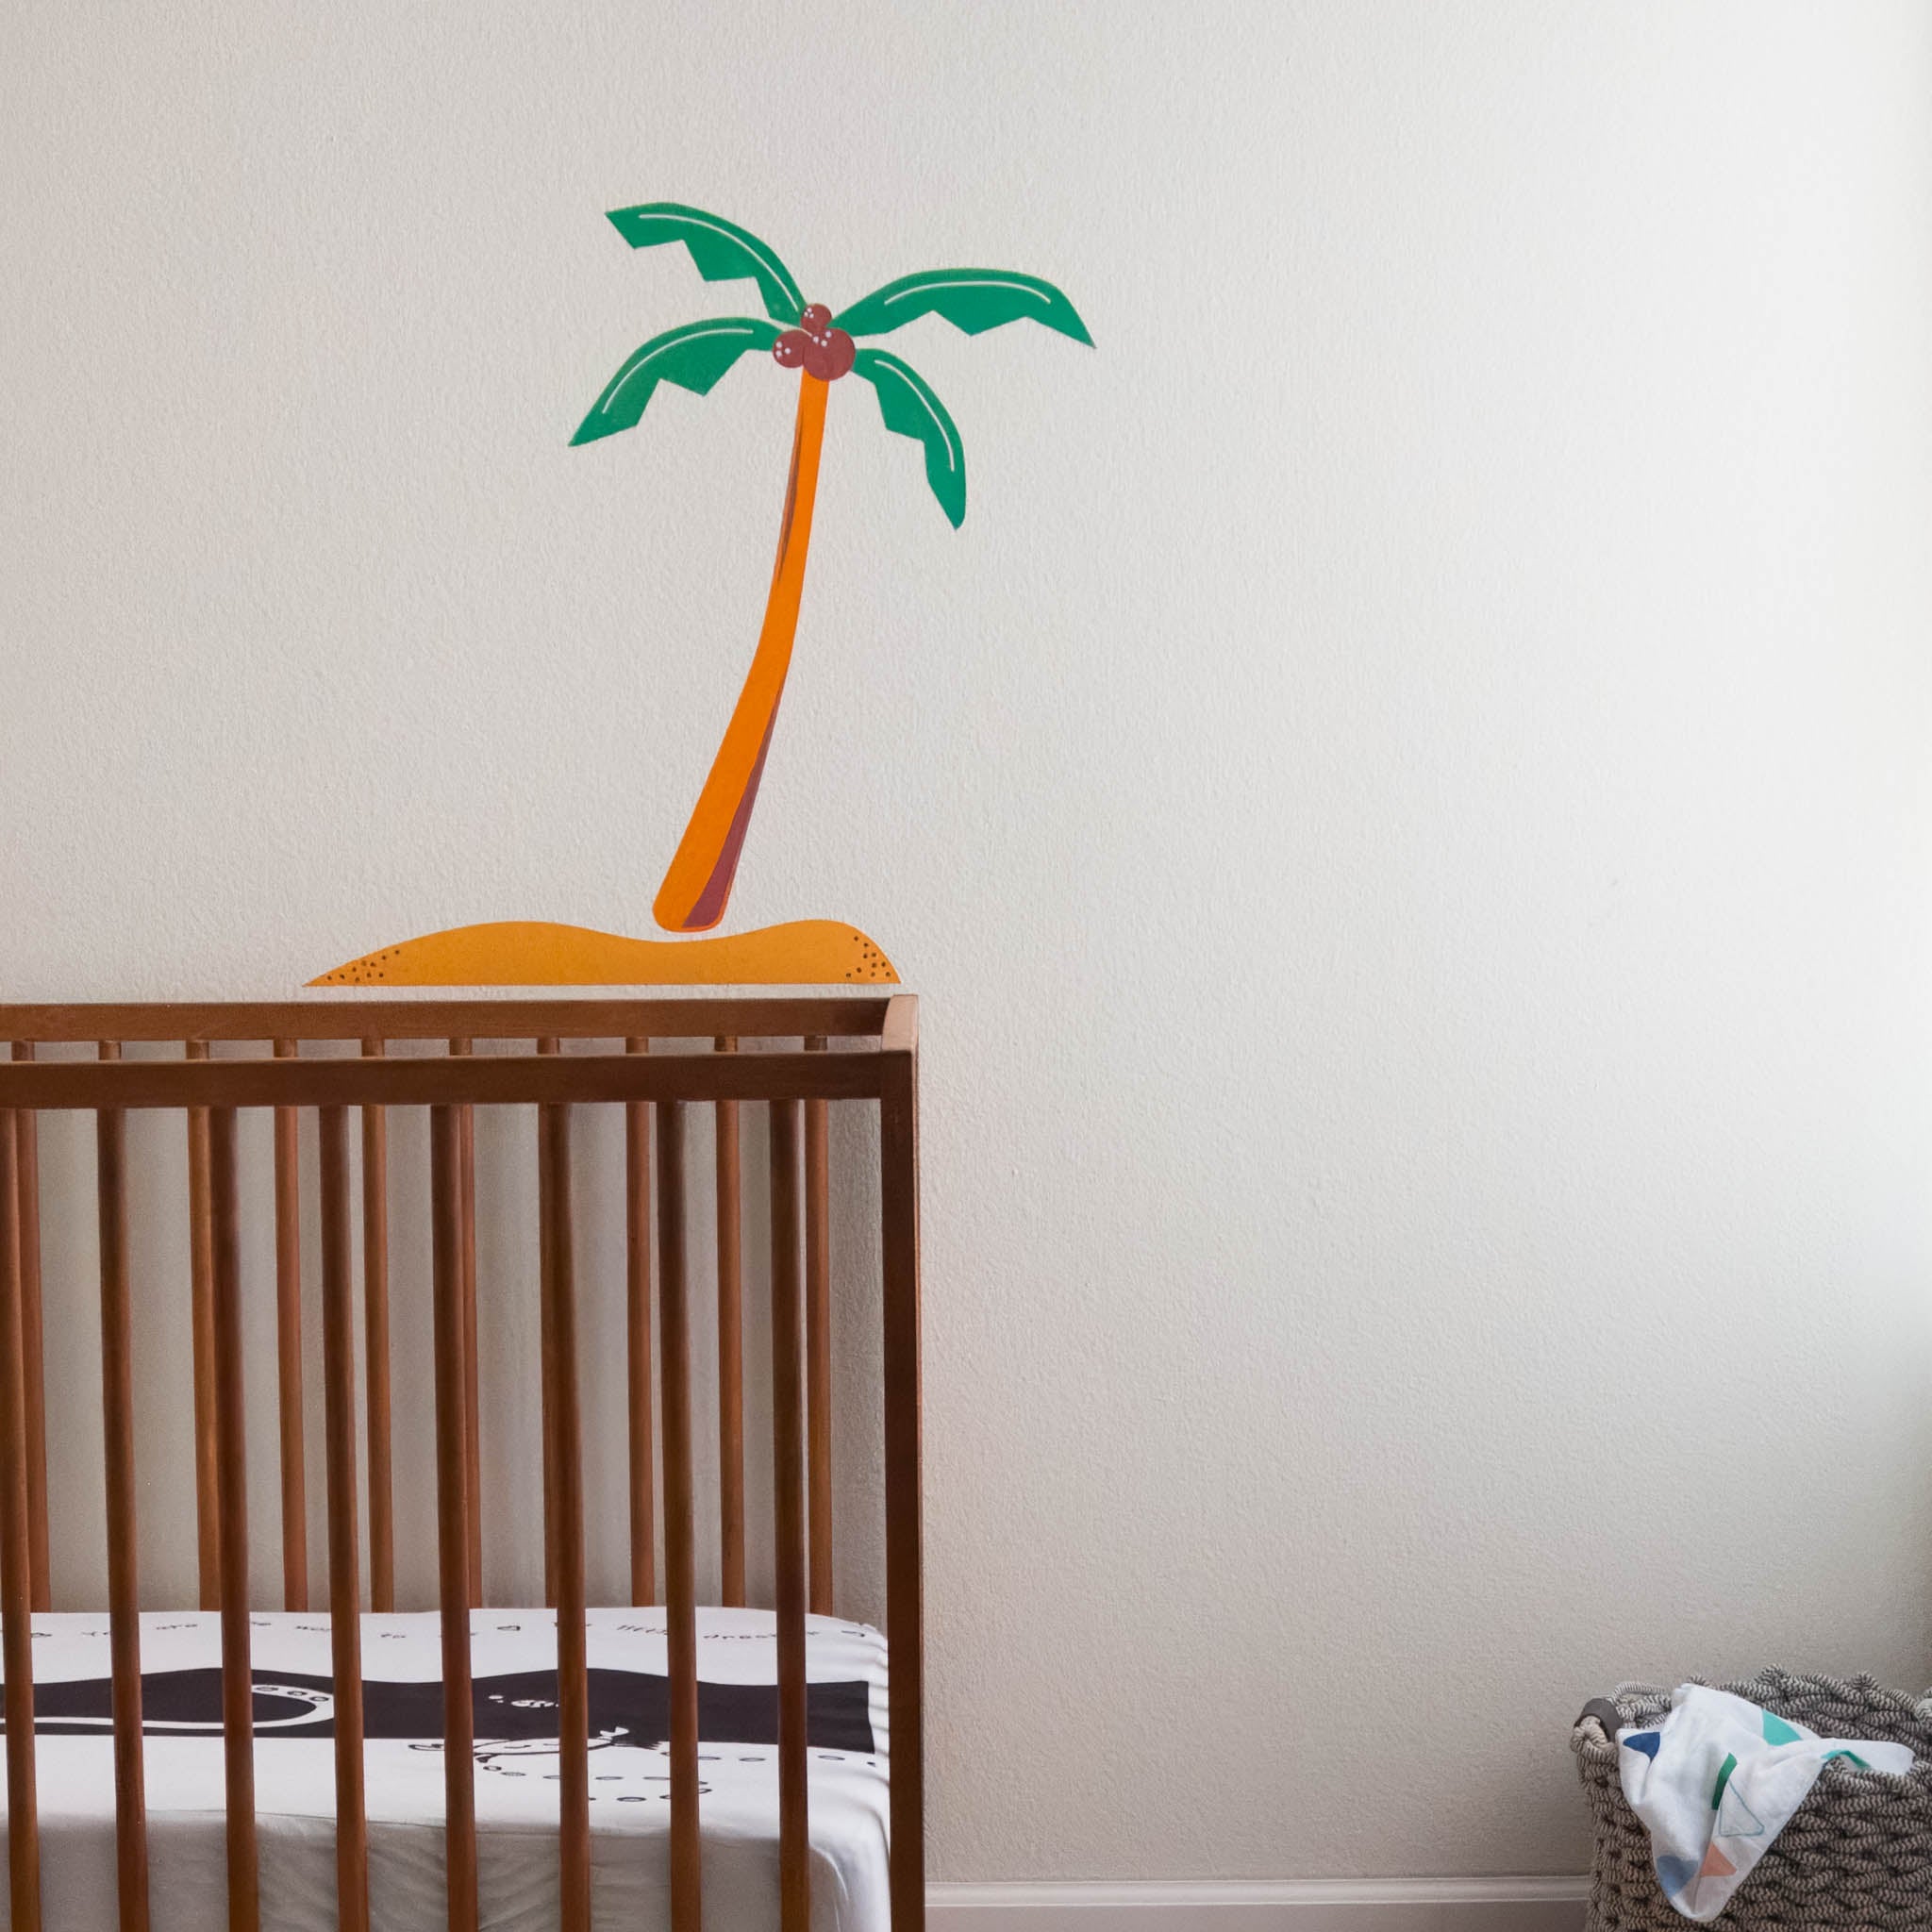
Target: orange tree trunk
<point>695,890</point>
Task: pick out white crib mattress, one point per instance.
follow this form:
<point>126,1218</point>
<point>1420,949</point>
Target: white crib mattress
<point>513,1661</point>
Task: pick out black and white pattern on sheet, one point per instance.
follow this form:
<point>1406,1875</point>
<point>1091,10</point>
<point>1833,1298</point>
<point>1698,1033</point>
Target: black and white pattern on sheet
<point>518,1709</point>
<point>519,1776</point>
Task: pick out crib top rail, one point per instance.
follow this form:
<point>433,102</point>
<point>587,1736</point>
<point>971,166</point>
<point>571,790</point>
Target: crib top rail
<point>741,1018</point>
<point>874,1039</point>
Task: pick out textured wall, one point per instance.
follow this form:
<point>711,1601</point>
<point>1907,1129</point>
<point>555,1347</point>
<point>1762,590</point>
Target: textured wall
<point>1406,796</point>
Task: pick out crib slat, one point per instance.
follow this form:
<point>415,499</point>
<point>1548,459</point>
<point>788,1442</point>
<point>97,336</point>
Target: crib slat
<point>904,1602</point>
<point>637,1263</point>
<point>472,1400</point>
<point>33,1341</point>
<point>730,1350</point>
<point>201,1290</point>
<point>787,1486</point>
<point>16,1581</point>
<point>452,1510</point>
<point>344,1585</point>
<point>473,1408</point>
<point>573,1683</point>
<point>289,1347</point>
<point>382,1547</point>
<point>238,1688</point>
<point>547,1209</point>
<point>123,1591</point>
<point>818,1340</point>
<point>673,1346</point>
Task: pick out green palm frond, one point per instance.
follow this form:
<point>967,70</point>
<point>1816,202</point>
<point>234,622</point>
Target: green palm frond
<point>693,358</point>
<point>972,299</point>
<point>721,251</point>
<point>908,408</point>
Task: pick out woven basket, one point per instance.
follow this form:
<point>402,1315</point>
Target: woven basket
<point>1857,1852</point>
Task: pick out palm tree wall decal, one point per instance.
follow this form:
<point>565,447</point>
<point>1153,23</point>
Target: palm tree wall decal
<point>822,347</point>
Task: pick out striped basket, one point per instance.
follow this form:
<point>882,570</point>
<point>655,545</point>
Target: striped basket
<point>1857,1851</point>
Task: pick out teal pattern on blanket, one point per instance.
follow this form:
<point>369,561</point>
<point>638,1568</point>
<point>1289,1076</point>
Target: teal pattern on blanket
<point>1736,1818</point>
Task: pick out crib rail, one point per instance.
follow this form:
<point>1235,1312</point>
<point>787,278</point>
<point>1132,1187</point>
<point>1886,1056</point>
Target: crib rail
<point>847,1050</point>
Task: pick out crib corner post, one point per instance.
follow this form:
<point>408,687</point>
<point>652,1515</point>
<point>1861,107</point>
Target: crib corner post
<point>905,1604</point>
<point>23,1835</point>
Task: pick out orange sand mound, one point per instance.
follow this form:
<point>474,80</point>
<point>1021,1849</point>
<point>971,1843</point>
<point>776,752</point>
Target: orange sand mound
<point>526,951</point>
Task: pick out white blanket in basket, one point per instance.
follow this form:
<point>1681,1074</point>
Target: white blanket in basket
<point>1717,1781</point>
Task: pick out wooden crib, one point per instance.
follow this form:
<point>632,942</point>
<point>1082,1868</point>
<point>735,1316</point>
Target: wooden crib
<point>795,1055</point>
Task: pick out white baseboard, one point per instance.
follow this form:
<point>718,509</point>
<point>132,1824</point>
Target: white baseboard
<point>1290,1905</point>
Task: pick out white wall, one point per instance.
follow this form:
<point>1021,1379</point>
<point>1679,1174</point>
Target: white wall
<point>1406,798</point>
